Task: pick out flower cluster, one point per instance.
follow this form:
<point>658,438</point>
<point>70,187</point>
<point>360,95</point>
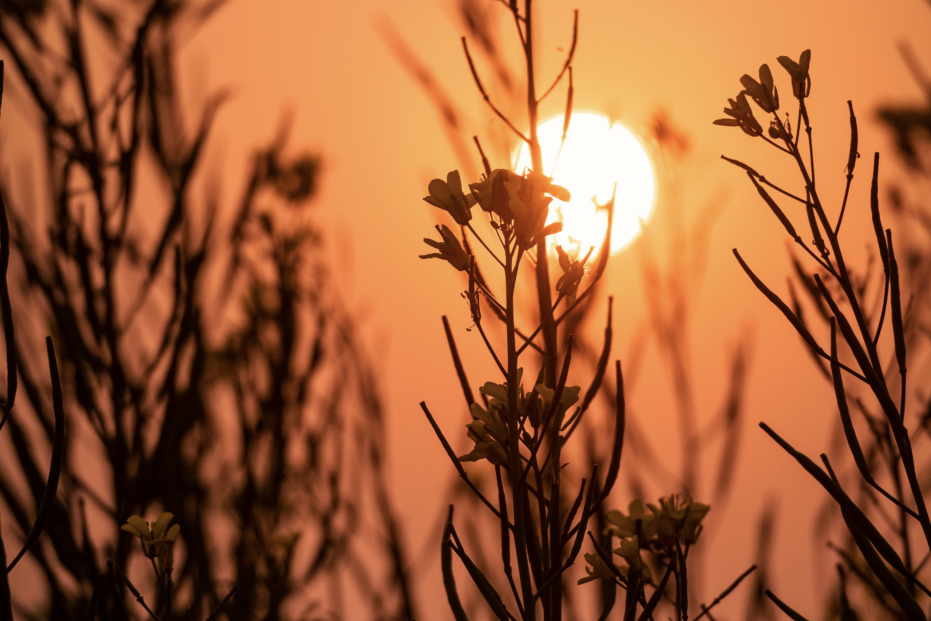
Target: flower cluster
<point>573,271</point>
<point>766,96</point>
<point>153,537</point>
<point>157,539</point>
<point>450,249</point>
<point>517,203</point>
<point>801,80</point>
<point>489,428</point>
<point>661,530</point>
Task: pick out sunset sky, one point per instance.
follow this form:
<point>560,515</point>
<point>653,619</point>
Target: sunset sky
<point>381,141</point>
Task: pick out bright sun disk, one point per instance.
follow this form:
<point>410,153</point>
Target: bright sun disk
<point>595,155</point>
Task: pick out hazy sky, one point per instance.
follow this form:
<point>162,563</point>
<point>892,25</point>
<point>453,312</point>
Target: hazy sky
<point>382,140</point>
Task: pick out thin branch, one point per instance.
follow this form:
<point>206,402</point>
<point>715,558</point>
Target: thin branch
<point>482,242</point>
<point>481,89</point>
<point>565,67</point>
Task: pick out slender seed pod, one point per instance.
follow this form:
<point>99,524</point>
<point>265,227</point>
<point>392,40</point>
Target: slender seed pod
<point>488,592</point>
<point>620,421</point>
<point>778,303</point>
<point>898,324</point>
<point>568,116</point>
<point>846,504</point>
<point>877,222</point>
<point>583,521</point>
<point>849,336</point>
<point>740,164</point>
<point>774,207</point>
<point>849,431</point>
<point>818,240</point>
<point>485,163</point>
<point>449,580</point>
<point>854,138</point>
<point>6,599</point>
<point>58,455</point>
<point>784,607</point>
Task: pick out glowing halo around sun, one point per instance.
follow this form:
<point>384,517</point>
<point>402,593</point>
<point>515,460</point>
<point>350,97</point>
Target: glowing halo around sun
<point>595,155</point>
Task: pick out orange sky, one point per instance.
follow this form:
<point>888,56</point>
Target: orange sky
<point>382,141</point>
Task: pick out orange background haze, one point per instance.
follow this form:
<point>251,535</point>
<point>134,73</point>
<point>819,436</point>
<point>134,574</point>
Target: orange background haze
<point>382,140</point>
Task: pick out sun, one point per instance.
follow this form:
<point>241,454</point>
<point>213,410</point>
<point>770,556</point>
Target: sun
<point>596,154</point>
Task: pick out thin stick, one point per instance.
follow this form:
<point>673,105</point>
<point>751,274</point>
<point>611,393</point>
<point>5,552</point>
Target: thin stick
<point>452,456</point>
<point>724,593</point>
<point>482,242</point>
<point>457,362</point>
<point>575,38</point>
<point>481,89</point>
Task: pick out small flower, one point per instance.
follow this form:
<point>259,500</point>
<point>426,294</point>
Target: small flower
<point>742,116</point>
<point>625,526</point>
<point>489,432</point>
<point>678,517</point>
<point>764,92</point>
<point>629,550</point>
<point>449,249</point>
<point>447,195</point>
<point>570,396</point>
<point>155,538</point>
<point>530,205</point>
<point>573,271</point>
<point>801,79</point>
<point>599,569</point>
<point>492,196</point>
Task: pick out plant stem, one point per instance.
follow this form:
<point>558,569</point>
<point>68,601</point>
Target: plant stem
<point>517,495</point>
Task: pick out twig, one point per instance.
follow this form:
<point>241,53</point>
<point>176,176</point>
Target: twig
<point>481,89</point>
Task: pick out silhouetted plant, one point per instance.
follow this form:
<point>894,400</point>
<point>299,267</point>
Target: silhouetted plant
<point>522,432</point>
<point>209,369</point>
<point>871,390</point>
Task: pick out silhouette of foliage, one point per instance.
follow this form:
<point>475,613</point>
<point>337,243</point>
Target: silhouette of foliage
<point>209,369</point>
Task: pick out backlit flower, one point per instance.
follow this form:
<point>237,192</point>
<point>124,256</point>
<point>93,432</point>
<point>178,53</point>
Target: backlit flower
<point>449,249</point>
<point>492,196</point>
<point>490,434</point>
<point>447,195</point>
<point>529,202</point>
<point>573,271</point>
<point>629,550</point>
<point>801,79</point>
<point>155,537</point>
<point>598,569</point>
<point>764,92</point>
<point>741,116</point>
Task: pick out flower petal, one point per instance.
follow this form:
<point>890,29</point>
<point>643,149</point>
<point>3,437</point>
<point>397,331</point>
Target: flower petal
<point>161,524</point>
<point>140,526</point>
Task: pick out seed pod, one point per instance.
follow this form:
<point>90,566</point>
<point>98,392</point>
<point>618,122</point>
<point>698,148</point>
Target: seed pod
<point>778,303</point>
<point>898,327</point>
<point>877,222</point>
<point>775,208</point>
<point>818,241</point>
<point>849,431</point>
<point>852,157</point>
